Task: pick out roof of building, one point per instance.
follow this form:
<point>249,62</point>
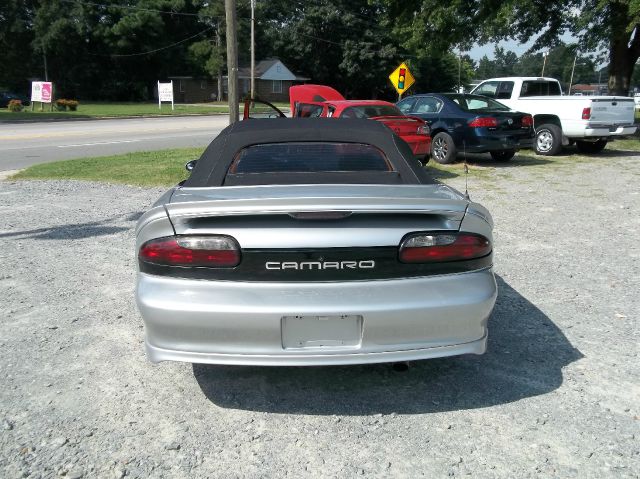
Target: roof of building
<point>270,69</point>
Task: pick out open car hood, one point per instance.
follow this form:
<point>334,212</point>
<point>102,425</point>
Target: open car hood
<point>312,94</point>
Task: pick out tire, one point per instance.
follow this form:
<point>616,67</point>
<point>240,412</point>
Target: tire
<point>443,149</point>
<point>503,155</point>
<point>591,146</point>
<point>548,140</point>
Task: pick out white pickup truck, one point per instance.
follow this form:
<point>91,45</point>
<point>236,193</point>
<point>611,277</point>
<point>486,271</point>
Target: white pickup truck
<point>588,121</point>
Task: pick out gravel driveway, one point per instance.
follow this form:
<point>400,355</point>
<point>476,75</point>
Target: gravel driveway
<point>556,395</point>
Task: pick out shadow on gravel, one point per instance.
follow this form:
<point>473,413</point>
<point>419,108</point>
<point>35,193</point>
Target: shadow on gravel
<point>485,159</point>
<point>525,358</point>
<point>606,153</point>
<point>74,231</point>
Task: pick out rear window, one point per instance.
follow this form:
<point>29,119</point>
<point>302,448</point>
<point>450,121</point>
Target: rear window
<point>368,111</point>
<point>540,88</point>
<point>476,103</point>
<point>309,157</point>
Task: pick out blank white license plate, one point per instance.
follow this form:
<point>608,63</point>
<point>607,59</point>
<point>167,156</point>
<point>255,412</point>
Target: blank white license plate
<point>302,332</point>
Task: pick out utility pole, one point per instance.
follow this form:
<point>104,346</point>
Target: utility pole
<point>253,49</point>
<point>232,58</point>
<point>460,89</point>
<point>218,43</point>
<point>544,63</point>
<point>44,58</point>
<point>572,70</point>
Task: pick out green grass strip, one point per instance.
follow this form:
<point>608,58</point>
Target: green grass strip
<point>166,167</point>
<point>149,168</point>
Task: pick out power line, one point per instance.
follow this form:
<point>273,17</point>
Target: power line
<point>321,39</point>
<point>131,7</point>
<point>156,50</point>
<point>151,10</point>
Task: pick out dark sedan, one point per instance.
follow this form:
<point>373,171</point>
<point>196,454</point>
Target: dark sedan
<point>471,124</point>
<point>7,96</point>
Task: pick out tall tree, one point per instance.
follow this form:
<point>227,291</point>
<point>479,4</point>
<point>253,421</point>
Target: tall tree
<point>505,61</point>
<point>342,43</point>
<point>16,35</point>
<point>612,25</point>
<point>486,68</point>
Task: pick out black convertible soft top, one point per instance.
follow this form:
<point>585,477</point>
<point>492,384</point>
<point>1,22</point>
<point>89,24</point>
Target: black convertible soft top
<point>212,167</point>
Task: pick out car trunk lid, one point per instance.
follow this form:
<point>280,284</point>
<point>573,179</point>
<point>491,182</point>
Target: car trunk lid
<point>308,216</point>
<point>401,125</point>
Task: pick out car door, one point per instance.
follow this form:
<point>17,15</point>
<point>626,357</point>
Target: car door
<point>254,109</point>
<point>427,108</point>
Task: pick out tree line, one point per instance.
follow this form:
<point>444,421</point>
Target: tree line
<point>117,50</point>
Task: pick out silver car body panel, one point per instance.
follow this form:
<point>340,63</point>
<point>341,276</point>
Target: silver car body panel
<point>316,322</point>
<point>241,322</point>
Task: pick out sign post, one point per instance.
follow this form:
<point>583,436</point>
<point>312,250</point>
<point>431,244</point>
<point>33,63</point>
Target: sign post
<point>165,93</point>
<point>41,91</point>
<point>402,79</point>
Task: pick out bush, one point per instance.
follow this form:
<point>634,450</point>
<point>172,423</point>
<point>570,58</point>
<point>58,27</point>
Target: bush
<point>15,105</point>
<point>62,105</point>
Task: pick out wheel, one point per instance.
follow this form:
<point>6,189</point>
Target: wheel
<point>591,146</point>
<point>443,149</point>
<point>503,155</point>
<point>548,139</point>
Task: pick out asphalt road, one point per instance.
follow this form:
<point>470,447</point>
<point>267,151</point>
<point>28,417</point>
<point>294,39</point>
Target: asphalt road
<point>25,144</point>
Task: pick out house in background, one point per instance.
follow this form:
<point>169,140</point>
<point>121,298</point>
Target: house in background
<point>273,80</point>
<point>193,90</point>
<point>590,89</point>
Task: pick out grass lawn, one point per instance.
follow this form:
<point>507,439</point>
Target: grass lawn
<point>149,168</point>
<point>93,110</point>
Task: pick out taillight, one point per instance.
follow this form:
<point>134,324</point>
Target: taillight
<point>423,130</point>
<point>527,121</point>
<point>484,122</point>
<point>213,251</point>
<point>435,247</point>
<point>586,113</point>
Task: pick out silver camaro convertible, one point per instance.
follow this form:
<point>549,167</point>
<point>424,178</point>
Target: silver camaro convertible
<point>313,242</point>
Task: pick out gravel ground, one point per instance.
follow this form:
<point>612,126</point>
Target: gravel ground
<point>556,395</point>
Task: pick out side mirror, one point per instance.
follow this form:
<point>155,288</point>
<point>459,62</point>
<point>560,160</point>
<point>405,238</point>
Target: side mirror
<point>190,165</point>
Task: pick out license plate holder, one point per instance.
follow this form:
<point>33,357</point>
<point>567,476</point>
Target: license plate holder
<point>321,332</point>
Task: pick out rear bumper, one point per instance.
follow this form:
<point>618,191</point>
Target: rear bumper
<point>242,323</point>
<point>420,144</point>
<point>157,355</point>
<point>483,143</point>
<point>604,132</point>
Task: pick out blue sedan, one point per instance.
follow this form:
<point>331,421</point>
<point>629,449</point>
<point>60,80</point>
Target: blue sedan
<point>470,124</point>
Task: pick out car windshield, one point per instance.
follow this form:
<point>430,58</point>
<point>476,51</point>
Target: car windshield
<point>474,103</point>
<point>309,157</point>
<point>368,111</point>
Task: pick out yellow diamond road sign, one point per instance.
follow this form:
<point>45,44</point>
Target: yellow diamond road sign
<point>402,78</point>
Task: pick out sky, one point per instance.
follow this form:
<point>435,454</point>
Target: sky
<point>477,52</point>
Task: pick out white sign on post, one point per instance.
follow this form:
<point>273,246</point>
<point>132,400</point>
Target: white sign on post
<point>165,93</point>
<point>41,91</point>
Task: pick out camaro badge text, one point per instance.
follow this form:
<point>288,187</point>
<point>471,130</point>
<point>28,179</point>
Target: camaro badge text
<point>320,265</point>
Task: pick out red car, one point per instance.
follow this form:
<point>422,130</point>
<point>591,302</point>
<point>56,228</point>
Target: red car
<point>313,101</point>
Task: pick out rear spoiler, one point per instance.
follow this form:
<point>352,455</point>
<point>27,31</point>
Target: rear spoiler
<point>267,200</point>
